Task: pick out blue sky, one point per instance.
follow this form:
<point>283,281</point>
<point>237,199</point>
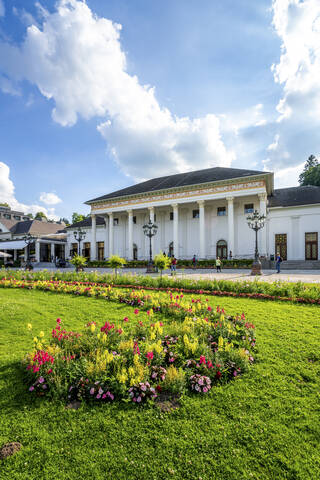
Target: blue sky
<point>87,108</point>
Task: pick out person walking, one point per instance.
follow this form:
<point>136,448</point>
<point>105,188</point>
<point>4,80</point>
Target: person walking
<point>218,264</point>
<point>194,261</point>
<point>278,262</point>
<point>173,265</point>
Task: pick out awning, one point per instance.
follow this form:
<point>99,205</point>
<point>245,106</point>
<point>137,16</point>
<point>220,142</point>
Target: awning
<point>14,245</point>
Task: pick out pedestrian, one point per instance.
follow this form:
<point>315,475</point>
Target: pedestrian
<point>173,265</point>
<point>194,261</point>
<point>230,255</point>
<point>278,262</point>
<point>164,254</point>
<point>218,264</point>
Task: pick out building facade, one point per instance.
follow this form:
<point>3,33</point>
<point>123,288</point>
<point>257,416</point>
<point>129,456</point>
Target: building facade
<point>202,213</point>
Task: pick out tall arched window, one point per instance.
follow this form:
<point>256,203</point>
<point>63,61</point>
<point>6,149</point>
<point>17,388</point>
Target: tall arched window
<point>170,253</point>
<point>222,249</point>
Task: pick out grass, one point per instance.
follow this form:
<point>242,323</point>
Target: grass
<point>264,425</point>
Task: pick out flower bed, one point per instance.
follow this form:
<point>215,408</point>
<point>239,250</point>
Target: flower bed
<point>298,293</point>
<point>193,349</point>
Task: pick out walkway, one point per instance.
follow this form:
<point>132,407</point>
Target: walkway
<point>306,276</point>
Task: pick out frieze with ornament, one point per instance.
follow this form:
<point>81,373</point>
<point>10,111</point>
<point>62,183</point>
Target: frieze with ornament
<point>177,195</point>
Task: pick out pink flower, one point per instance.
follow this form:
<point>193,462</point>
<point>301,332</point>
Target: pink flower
<point>136,311</point>
<point>58,320</point>
<point>31,388</point>
<point>202,359</point>
<point>126,319</point>
<point>209,309</point>
<point>91,391</point>
<point>139,399</point>
<point>150,355</point>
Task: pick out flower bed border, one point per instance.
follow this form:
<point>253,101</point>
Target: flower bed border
<point>218,293</point>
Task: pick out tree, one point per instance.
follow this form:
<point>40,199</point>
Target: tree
<point>116,262</point>
<point>79,262</point>
<point>65,220</point>
<point>40,215</point>
<point>29,215</point>
<point>311,172</point>
<point>162,262</point>
<point>5,204</point>
<point>77,217</point>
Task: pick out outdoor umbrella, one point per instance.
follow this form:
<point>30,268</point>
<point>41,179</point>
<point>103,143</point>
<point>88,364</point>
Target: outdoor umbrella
<point>5,255</point>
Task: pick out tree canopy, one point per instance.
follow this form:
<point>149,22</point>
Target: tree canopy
<point>40,215</point>
<point>77,217</point>
<point>4,204</point>
<point>311,172</point>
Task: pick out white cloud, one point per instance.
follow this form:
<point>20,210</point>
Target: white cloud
<point>287,177</point>
<point>7,195</point>
<point>49,198</point>
<point>76,59</point>
<point>2,9</point>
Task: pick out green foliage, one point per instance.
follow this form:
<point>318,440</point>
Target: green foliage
<point>116,262</point>
<point>311,172</point>
<point>79,262</point>
<point>4,204</point>
<point>162,262</point>
<point>40,215</point>
<point>77,217</point>
<point>30,215</point>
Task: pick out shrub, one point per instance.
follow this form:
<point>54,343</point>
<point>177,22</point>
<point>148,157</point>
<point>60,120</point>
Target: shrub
<point>79,262</point>
<point>116,262</point>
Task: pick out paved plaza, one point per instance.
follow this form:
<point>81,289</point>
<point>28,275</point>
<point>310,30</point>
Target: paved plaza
<point>307,276</point>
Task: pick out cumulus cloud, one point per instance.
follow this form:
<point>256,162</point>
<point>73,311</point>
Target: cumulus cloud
<point>7,195</point>
<point>50,198</point>
<point>288,177</point>
<point>76,59</point>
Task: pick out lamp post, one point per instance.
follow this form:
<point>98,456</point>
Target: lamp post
<point>150,229</point>
<point>78,236</point>
<point>256,222</point>
<point>28,239</point>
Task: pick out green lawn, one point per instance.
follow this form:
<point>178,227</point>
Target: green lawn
<point>265,425</point>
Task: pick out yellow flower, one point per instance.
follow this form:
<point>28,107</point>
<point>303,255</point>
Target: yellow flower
<point>220,343</point>
<point>92,327</point>
<point>29,326</point>
<point>98,336</point>
<point>41,334</point>
<point>35,340</point>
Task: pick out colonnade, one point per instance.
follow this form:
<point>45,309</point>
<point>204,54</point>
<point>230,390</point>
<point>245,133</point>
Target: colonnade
<point>109,241</point>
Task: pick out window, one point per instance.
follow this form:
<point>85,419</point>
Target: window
<point>134,219</point>
<point>100,249</point>
<point>154,218</point>
<point>311,246</point>
<point>221,211</point>
<point>74,249</point>
<point>16,217</point>
<point>116,221</point>
<point>86,249</point>
<point>171,215</point>
<point>195,214</point>
<point>7,216</point>
<point>248,208</point>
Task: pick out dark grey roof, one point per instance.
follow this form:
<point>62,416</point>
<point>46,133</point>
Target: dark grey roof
<point>294,196</point>
<point>214,174</point>
<point>87,222</point>
<point>35,227</point>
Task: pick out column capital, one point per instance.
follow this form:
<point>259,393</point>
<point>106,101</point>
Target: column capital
<point>200,203</point>
<point>130,211</point>
<point>110,214</point>
<point>230,199</point>
<point>174,205</point>
<point>262,196</point>
<point>93,215</point>
<point>151,209</point>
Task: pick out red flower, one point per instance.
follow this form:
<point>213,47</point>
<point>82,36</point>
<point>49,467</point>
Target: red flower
<point>202,359</point>
<point>218,374</point>
<point>136,311</point>
<point>158,388</point>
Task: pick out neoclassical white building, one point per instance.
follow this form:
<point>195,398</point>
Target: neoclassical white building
<point>203,213</point>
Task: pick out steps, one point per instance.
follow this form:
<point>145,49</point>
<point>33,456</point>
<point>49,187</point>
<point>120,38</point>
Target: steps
<point>299,265</point>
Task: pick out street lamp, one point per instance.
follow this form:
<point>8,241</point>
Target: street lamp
<point>28,239</point>
<point>150,230</point>
<point>256,222</point>
<point>78,236</point>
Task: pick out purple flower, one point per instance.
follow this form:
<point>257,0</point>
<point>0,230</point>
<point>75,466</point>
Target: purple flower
<point>31,388</point>
<point>91,391</point>
<point>41,380</point>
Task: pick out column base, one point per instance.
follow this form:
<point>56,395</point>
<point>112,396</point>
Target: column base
<point>256,268</point>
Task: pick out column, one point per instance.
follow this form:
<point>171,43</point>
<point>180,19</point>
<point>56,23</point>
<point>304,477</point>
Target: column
<point>93,246</point>
<point>201,229</point>
<point>263,232</point>
<point>230,227</point>
<point>5,260</point>
<point>52,253</point>
<point>130,235</point>
<point>175,230</point>
<point>37,251</point>
<point>106,246</point>
<point>15,255</point>
<point>26,253</point>
<point>151,217</point>
<point>110,234</point>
